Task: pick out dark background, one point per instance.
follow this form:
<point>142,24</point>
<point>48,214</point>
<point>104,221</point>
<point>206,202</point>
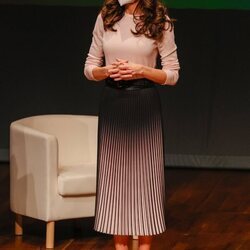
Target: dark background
<point>206,115</point>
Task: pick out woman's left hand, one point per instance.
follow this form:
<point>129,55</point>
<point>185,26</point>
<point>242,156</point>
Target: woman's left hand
<point>126,71</point>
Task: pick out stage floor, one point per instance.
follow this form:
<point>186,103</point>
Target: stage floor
<point>208,209</point>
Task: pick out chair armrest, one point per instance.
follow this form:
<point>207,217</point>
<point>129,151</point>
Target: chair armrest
<point>33,170</point>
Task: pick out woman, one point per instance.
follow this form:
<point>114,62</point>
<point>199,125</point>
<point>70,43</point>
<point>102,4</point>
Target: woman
<point>130,198</point>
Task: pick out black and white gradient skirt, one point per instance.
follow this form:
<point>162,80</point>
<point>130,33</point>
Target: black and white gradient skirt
<point>130,194</point>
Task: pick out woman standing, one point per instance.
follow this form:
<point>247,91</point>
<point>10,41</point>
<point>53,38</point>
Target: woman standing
<point>130,194</point>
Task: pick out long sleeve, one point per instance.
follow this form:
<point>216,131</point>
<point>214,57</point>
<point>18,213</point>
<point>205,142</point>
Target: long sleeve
<point>168,54</point>
<point>95,55</point>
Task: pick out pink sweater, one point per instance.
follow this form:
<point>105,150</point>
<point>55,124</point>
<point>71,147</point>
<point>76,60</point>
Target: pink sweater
<point>123,44</point>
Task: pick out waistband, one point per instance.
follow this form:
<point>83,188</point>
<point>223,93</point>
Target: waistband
<point>129,84</point>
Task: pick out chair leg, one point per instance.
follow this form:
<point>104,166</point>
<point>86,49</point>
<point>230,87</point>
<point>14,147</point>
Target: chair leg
<point>18,224</point>
<point>135,237</point>
<point>50,234</point>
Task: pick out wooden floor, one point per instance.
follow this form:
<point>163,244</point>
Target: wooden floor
<point>207,210</point>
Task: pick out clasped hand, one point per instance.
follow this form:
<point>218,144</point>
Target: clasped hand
<point>124,70</point>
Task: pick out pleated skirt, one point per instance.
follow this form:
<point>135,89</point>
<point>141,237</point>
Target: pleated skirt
<point>130,193</point>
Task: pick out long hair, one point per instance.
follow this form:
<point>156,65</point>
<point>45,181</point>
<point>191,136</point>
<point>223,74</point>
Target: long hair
<point>151,23</point>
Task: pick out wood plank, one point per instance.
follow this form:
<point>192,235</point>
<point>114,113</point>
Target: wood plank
<point>207,209</point>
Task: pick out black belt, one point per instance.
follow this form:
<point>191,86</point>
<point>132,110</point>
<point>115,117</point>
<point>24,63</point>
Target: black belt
<point>129,84</point>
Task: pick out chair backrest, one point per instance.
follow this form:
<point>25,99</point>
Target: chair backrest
<point>76,135</point>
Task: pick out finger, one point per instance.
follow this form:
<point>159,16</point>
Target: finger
<point>116,64</point>
<point>115,75</point>
<point>126,72</point>
<point>117,79</point>
<point>112,71</point>
<point>124,67</point>
<point>127,77</point>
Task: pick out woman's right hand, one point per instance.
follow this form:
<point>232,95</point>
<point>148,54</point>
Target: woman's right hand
<point>109,69</point>
<point>101,73</point>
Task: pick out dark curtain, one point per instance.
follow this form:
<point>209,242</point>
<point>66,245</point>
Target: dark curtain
<point>206,115</point>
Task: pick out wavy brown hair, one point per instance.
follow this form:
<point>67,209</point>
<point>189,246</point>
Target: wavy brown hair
<point>151,22</point>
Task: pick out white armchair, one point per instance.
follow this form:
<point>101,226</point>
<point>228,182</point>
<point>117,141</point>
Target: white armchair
<point>53,169</point>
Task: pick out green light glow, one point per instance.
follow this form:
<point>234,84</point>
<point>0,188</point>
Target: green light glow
<point>195,4</point>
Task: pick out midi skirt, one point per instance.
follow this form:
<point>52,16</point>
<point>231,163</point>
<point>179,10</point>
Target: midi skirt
<point>130,191</point>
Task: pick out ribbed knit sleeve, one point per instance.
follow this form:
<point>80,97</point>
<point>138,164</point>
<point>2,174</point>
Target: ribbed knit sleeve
<point>168,54</point>
<point>95,56</point>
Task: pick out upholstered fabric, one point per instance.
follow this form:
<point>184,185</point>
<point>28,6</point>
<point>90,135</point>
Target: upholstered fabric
<point>53,166</point>
<point>77,180</point>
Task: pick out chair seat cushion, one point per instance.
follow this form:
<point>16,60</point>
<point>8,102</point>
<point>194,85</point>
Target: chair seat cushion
<point>77,180</point>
